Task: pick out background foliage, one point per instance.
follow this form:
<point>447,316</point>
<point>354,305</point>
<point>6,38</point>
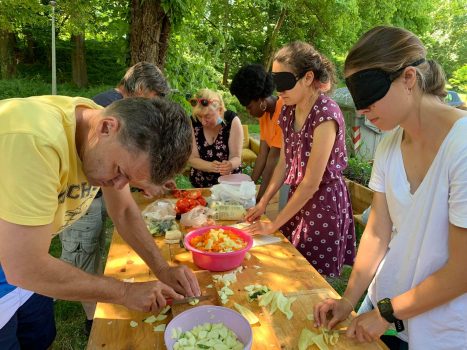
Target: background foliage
<point>211,39</point>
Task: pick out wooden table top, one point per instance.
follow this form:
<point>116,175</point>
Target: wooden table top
<point>279,266</point>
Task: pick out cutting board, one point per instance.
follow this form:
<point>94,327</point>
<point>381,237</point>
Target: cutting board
<point>288,331</point>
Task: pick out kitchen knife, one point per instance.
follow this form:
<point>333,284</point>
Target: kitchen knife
<point>186,300</point>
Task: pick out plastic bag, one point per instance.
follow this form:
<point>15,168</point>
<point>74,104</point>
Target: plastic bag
<point>160,217</point>
<point>243,194</point>
<point>197,217</point>
<point>159,210</point>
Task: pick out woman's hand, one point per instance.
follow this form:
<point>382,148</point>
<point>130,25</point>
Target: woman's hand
<point>368,327</point>
<point>339,309</point>
<point>215,166</point>
<point>226,167</point>
<point>255,212</point>
<point>260,228</point>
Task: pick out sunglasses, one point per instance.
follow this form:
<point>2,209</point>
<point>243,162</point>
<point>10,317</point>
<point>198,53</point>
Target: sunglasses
<point>202,101</point>
<point>370,85</point>
<point>285,80</point>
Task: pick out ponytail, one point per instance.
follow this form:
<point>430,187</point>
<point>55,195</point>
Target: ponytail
<point>433,80</point>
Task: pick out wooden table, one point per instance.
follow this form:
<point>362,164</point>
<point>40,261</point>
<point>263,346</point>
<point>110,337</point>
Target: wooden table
<point>279,266</point>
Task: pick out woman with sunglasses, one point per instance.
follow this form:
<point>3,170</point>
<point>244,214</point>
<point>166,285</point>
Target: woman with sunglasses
<point>253,87</point>
<point>217,139</point>
<point>416,277</point>
<point>318,216</point>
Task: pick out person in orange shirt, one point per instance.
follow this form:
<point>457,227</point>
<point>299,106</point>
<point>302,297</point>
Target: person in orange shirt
<point>253,87</point>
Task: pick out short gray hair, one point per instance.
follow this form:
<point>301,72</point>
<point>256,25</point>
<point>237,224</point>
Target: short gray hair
<point>144,76</point>
<point>158,127</point>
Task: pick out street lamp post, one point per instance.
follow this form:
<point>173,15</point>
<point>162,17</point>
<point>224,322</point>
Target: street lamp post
<point>54,68</point>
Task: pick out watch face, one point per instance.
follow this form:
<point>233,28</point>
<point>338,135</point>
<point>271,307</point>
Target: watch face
<point>385,309</point>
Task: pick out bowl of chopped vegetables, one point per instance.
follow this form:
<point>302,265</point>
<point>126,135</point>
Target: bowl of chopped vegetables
<point>218,248</point>
<point>208,327</point>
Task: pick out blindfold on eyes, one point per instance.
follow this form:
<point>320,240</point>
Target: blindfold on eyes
<point>370,85</point>
<point>284,80</point>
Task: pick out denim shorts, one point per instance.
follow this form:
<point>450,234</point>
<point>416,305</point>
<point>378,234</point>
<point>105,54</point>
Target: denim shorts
<point>83,243</point>
<point>32,327</point>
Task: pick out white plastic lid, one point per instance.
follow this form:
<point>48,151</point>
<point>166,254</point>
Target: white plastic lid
<point>234,179</point>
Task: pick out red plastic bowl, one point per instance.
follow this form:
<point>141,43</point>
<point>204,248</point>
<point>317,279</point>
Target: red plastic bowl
<point>218,261</point>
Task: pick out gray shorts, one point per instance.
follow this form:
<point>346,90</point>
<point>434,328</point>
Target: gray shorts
<point>83,243</point>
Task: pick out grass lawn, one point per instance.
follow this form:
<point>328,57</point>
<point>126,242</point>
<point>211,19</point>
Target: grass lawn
<point>69,315</point>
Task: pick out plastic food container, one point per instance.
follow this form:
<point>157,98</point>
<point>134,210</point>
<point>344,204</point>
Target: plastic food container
<point>218,261</point>
<point>233,179</point>
<point>190,318</point>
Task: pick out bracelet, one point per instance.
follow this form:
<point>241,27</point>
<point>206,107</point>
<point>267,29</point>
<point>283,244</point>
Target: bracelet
<point>350,303</point>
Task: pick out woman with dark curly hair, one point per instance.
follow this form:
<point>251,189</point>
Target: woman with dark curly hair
<point>253,87</point>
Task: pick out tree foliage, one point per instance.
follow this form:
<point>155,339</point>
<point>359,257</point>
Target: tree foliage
<point>207,41</point>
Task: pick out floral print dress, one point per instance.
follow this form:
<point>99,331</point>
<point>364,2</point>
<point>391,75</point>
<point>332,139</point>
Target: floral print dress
<point>323,230</point>
<point>218,150</point>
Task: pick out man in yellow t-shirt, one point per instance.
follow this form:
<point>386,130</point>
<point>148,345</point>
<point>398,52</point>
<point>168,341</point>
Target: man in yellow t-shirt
<point>253,87</point>
<point>55,153</point>
<point>84,242</point>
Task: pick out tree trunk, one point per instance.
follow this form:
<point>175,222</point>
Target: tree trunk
<point>269,47</point>
<point>29,55</point>
<point>7,55</point>
<point>149,32</point>
<point>226,73</point>
<point>78,60</point>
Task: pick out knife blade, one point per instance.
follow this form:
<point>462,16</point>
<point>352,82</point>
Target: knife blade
<point>388,332</point>
<point>186,300</point>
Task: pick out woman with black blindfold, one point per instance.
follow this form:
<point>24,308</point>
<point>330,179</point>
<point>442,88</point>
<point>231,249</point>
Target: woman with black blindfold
<point>416,277</point>
<point>217,139</point>
<point>318,216</point>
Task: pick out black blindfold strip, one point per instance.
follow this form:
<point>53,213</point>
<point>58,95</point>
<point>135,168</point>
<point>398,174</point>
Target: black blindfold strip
<point>284,81</point>
<point>370,85</point>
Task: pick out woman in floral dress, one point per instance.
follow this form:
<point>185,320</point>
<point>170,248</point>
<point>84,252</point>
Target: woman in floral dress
<point>217,139</point>
<point>318,216</point>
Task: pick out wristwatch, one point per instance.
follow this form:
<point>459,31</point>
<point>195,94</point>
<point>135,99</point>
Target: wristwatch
<point>387,312</point>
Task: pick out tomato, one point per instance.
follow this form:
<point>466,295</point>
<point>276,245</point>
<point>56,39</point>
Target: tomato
<point>201,201</point>
<point>193,194</point>
<point>188,200</point>
<point>177,193</point>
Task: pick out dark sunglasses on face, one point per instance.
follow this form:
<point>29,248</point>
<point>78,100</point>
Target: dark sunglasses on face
<point>285,80</point>
<point>202,101</point>
<point>370,85</point>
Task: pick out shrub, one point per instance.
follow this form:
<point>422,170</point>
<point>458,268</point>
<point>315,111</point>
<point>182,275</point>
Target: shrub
<point>358,170</point>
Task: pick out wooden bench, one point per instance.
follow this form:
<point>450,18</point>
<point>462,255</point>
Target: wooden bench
<point>361,198</point>
<point>250,147</point>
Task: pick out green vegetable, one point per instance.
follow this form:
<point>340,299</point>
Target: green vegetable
<point>247,313</point>
<point>159,227</point>
<point>215,336</point>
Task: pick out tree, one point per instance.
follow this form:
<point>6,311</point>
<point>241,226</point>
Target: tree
<point>13,16</point>
<point>151,23</point>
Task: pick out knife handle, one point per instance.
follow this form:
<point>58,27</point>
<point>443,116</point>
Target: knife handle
<point>169,301</point>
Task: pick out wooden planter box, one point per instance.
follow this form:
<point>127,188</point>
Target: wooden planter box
<point>361,198</point>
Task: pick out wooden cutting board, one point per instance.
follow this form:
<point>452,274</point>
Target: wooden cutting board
<point>288,331</point>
